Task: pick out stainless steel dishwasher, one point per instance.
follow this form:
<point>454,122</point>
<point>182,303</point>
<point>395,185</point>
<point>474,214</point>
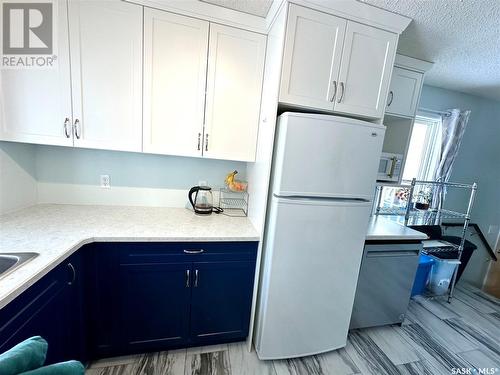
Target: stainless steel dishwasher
<point>385,282</point>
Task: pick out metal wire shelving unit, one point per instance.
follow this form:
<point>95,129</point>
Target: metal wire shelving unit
<point>431,216</point>
<point>233,203</point>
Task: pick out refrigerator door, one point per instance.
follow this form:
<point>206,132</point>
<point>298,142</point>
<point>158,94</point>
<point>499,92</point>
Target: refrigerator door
<point>326,156</point>
<point>312,256</point>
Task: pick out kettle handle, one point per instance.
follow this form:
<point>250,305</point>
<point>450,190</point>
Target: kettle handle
<point>193,190</point>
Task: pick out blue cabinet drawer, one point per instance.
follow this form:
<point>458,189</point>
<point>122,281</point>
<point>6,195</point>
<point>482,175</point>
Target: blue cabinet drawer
<point>154,252</point>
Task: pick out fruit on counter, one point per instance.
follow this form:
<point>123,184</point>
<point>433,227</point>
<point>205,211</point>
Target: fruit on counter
<point>233,184</point>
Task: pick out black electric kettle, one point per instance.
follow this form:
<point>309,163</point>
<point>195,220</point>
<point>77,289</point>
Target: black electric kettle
<point>203,200</point>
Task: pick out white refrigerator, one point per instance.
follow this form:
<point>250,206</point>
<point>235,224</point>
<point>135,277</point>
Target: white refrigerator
<point>324,171</point>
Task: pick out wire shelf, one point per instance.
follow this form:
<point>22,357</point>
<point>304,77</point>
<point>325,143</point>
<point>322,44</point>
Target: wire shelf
<point>233,203</point>
<point>420,215</point>
<point>443,249</point>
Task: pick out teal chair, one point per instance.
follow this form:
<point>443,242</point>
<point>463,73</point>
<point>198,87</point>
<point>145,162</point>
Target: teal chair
<point>28,357</point>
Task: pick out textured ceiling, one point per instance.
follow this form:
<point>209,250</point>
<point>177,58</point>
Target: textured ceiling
<point>255,7</point>
<point>462,38</point>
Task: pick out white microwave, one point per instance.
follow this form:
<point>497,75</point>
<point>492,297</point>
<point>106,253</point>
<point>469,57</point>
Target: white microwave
<point>389,167</point>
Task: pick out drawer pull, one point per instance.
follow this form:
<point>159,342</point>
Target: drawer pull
<point>199,251</point>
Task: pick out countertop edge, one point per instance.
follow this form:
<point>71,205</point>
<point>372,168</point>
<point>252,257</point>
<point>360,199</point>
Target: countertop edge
<point>37,276</point>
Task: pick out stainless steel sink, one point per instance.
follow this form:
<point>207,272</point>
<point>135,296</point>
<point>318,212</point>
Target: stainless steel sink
<point>11,261</point>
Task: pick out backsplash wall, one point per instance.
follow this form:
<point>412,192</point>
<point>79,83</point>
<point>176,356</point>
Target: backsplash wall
<point>72,176</point>
<point>18,185</point>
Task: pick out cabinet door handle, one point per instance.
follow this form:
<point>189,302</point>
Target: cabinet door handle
<point>73,278</point>
<point>196,278</point>
<point>334,91</point>
<point>393,166</point>
<point>206,142</point>
<point>66,123</point>
<point>199,141</point>
<point>199,251</point>
<point>76,125</point>
<point>342,91</point>
<point>187,278</point>
<point>391,95</point>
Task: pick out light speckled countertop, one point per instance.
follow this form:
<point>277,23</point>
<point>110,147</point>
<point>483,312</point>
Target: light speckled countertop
<point>384,229</point>
<point>56,231</point>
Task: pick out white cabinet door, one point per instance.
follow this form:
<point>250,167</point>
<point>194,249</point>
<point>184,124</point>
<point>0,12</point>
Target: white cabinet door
<point>404,92</point>
<point>106,62</point>
<point>35,103</point>
<point>311,60</point>
<point>234,87</point>
<point>175,70</point>
<point>366,67</point>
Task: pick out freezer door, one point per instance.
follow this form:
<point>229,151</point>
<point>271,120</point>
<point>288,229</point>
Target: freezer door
<point>329,156</point>
<point>312,255</point>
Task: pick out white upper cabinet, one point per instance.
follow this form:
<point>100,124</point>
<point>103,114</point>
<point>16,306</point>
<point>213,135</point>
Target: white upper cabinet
<point>35,104</point>
<point>333,64</point>
<point>106,62</point>
<point>175,68</point>
<point>404,92</point>
<point>311,61</point>
<point>234,87</point>
<point>365,71</point>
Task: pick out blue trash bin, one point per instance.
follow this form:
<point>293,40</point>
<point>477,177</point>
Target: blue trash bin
<point>424,268</point>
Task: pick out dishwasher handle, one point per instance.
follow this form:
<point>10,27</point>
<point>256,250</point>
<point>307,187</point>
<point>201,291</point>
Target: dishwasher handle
<point>389,253</point>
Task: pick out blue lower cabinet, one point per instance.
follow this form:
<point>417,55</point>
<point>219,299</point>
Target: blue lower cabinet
<point>221,301</point>
<point>154,306</point>
<point>111,299</point>
<point>51,308</point>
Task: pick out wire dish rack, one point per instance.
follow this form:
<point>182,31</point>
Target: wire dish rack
<point>233,203</point>
<point>406,211</point>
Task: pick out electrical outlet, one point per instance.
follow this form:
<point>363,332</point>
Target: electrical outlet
<point>105,181</point>
<point>202,183</point>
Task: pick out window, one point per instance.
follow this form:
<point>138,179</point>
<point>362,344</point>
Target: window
<point>424,150</point>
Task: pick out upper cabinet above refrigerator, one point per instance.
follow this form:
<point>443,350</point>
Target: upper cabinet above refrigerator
<point>325,64</point>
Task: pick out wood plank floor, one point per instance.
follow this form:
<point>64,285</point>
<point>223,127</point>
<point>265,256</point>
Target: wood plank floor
<point>435,338</point>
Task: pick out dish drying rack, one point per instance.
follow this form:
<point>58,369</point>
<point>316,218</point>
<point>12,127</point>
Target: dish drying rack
<point>432,215</point>
<point>234,203</point>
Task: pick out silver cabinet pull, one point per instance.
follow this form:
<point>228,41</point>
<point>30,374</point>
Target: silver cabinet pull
<point>187,278</point>
<point>66,123</point>
<point>72,268</point>
<point>342,91</point>
<point>206,142</point>
<point>199,141</point>
<point>196,278</point>
<point>391,95</point>
<point>334,91</point>
<point>393,166</point>
<point>76,126</point>
<point>198,251</point>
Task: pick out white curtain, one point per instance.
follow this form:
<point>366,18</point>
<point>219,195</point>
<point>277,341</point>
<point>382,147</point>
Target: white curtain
<point>453,129</point>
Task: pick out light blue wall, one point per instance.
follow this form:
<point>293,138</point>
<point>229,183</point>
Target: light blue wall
<point>24,155</point>
<point>84,166</point>
<point>479,155</point>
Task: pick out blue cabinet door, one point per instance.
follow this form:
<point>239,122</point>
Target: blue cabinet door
<point>221,301</point>
<point>46,309</point>
<point>154,306</point>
